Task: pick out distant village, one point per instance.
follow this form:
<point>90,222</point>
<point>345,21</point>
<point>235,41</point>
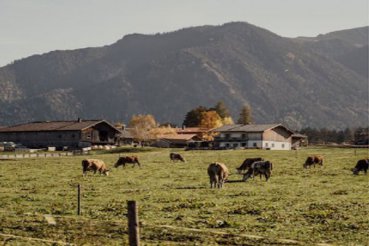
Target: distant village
<point>80,133</point>
<point>202,129</point>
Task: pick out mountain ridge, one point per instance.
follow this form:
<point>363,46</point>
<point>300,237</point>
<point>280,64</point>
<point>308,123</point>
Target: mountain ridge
<point>286,80</point>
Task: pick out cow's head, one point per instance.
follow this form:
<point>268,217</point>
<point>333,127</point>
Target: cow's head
<point>118,163</point>
<point>247,175</point>
<point>355,171</point>
<point>106,172</point>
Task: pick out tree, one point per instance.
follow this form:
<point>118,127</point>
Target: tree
<point>193,117</point>
<point>227,121</point>
<point>157,132</point>
<point>221,109</point>
<point>245,115</point>
<point>141,126</point>
<point>210,119</point>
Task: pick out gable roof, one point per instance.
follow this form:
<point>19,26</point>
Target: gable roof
<point>249,128</point>
<point>54,126</point>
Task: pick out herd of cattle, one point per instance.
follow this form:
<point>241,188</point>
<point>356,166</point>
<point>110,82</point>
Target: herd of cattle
<point>218,172</point>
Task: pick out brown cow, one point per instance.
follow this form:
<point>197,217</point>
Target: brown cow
<point>259,168</point>
<point>247,164</point>
<point>312,160</point>
<point>122,161</point>
<point>94,165</point>
<point>176,157</point>
<point>218,174</point>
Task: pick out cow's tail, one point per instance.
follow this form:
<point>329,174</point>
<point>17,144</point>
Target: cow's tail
<point>271,166</point>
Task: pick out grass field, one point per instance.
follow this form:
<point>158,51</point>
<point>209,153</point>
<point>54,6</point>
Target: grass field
<point>176,207</point>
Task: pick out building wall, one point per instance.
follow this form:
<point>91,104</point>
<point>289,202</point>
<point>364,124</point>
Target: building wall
<point>277,135</point>
<point>274,139</point>
<point>99,134</point>
<point>43,139</point>
<point>276,145</point>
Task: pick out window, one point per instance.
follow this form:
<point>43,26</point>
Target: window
<point>243,144</point>
<point>227,135</point>
<point>266,144</point>
<point>243,136</point>
<point>272,144</point>
<point>254,144</point>
<point>282,146</point>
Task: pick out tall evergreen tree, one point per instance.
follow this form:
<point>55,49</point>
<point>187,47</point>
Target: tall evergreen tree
<point>245,115</point>
<point>222,110</point>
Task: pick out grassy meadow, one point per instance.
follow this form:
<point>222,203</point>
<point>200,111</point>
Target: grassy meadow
<point>323,205</point>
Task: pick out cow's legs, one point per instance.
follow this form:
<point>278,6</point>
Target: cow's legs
<point>267,176</point>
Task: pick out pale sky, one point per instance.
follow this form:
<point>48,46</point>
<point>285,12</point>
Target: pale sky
<point>29,27</point>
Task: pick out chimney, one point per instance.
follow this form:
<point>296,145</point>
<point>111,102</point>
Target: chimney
<point>79,120</point>
<point>183,127</point>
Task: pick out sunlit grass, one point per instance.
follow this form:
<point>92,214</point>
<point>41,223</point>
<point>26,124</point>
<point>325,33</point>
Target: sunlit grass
<point>322,204</point>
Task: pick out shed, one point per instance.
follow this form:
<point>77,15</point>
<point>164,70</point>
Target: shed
<point>60,134</point>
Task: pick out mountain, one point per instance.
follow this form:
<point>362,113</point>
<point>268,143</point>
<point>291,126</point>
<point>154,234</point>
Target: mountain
<point>294,81</point>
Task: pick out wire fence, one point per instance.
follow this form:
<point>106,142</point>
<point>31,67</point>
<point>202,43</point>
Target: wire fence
<point>41,155</point>
<point>145,229</point>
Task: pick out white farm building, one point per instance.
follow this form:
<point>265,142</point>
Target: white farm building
<point>264,136</point>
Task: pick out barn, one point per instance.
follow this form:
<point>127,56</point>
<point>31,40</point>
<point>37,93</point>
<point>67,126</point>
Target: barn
<point>264,136</point>
<point>61,134</point>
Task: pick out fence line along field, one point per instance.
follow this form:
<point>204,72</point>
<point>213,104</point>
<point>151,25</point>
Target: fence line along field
<point>326,204</point>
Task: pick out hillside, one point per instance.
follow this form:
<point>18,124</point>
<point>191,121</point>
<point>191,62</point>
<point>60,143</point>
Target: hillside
<point>283,79</point>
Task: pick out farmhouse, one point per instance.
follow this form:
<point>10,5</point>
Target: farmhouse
<point>60,134</point>
<point>266,136</point>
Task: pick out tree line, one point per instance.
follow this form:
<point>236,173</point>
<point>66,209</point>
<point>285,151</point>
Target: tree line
<point>216,116</point>
<point>357,135</point>
<point>144,127</point>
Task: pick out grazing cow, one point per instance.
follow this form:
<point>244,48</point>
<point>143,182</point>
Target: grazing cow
<point>176,157</point>
<point>94,165</point>
<point>247,164</point>
<point>218,174</point>
<point>362,165</point>
<point>259,168</point>
<point>312,160</point>
<point>122,161</point>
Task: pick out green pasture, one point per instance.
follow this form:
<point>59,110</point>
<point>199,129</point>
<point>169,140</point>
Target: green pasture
<point>322,205</point>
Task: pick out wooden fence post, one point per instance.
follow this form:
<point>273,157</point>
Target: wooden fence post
<point>133,227</point>
<point>79,199</point>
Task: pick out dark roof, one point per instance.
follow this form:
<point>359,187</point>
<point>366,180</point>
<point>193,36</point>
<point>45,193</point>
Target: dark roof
<point>248,128</point>
<point>54,126</point>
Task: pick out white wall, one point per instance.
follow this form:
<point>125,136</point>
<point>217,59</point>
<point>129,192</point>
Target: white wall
<point>273,145</point>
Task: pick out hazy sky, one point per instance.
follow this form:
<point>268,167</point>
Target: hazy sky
<point>30,27</point>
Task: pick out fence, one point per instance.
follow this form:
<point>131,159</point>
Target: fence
<point>41,155</point>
